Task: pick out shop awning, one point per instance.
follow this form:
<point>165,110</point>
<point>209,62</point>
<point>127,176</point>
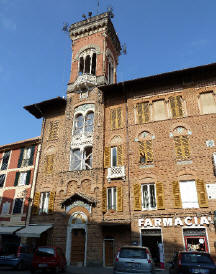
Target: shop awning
<point>9,229</point>
<point>33,231</point>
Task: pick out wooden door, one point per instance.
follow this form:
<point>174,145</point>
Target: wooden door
<point>109,252</point>
<point>78,247</point>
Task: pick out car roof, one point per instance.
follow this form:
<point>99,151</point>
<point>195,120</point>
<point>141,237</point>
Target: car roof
<point>135,246</point>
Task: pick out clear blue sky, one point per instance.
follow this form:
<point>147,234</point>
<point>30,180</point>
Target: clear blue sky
<point>35,55</point>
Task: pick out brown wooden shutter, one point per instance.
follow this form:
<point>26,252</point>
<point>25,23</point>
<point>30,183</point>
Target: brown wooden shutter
<point>120,155</point>
<point>178,147</point>
<point>173,106</point>
<point>104,199</point>
<point>179,106</point>
<point>137,197</point>
<point>201,191</point>
<point>139,113</point>
<point>36,203</point>
<point>119,118</point>
<point>49,163</point>
<point>120,199</point>
<point>142,149</point>
<point>53,130</point>
<point>149,154</point>
<point>146,112</point>
<point>185,147</point>
<point>51,202</point>
<point>160,195</point>
<point>113,119</point>
<point>176,194</point>
<point>107,155</point>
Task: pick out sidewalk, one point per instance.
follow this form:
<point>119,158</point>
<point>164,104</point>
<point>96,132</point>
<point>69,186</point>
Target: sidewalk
<point>99,270</point>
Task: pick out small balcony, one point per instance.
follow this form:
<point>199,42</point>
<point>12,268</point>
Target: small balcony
<point>116,172</point>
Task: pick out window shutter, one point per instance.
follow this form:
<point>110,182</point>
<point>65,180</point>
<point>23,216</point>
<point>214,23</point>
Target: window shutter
<point>178,147</point>
<point>179,106</point>
<point>146,113</point>
<point>35,206</point>
<point>119,117</point>
<point>185,147</point>
<point>51,202</point>
<point>104,200</point>
<point>149,154</point>
<point>53,130</point>
<point>120,199</point>
<point>139,113</point>
<point>160,195</point>
<point>120,155</point>
<point>16,179</point>
<point>176,194</point>
<point>137,197</point>
<point>201,191</point>
<point>32,156</point>
<point>173,106</point>
<point>49,163</point>
<point>106,157</point>
<point>113,119</point>
<point>20,157</point>
<point>28,176</point>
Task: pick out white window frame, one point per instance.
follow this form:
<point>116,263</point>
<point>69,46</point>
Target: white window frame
<point>22,179</point>
<point>148,190</point>
<point>113,198</point>
<point>3,174</point>
<point>26,156</point>
<point>44,202</point>
<point>186,194</point>
<point>83,131</point>
<point>9,151</point>
<point>84,55</point>
<point>82,163</point>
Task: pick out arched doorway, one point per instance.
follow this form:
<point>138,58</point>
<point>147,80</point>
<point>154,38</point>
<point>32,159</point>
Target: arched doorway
<point>77,239</point>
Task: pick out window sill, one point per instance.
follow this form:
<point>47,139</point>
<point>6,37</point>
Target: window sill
<point>146,165</point>
<point>184,162</point>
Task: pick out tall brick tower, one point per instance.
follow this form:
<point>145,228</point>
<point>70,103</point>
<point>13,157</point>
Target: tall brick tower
<point>96,49</point>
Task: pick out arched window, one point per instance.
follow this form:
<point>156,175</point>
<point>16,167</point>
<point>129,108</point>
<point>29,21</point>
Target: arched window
<point>78,125</point>
<point>145,148</point>
<point>89,122</point>
<point>181,139</point>
<point>110,70</point>
<point>87,62</point>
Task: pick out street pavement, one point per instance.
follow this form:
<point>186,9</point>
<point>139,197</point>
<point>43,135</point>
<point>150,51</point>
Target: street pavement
<point>74,270</point>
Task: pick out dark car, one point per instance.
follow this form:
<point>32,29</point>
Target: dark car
<point>192,262</point>
<point>133,259</point>
<point>19,257</point>
<point>48,258</point>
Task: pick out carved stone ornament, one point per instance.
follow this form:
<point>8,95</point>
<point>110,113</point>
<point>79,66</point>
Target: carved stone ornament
<point>83,82</point>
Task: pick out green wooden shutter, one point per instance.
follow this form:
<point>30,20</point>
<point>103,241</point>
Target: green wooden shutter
<point>32,156</point>
<point>16,179</point>
<point>119,199</point>
<point>20,157</point>
<point>137,197</point>
<point>35,206</point>
<point>160,195</point>
<point>28,176</point>
<point>201,191</point>
<point>176,194</point>
<point>104,199</point>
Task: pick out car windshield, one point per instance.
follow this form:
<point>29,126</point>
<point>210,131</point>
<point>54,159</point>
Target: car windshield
<point>133,253</point>
<point>45,252</point>
<point>196,258</point>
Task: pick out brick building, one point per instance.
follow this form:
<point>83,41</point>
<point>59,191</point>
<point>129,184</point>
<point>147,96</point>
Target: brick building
<point>125,162</point>
<point>17,180</point>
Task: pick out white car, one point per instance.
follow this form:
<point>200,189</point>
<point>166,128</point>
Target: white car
<point>133,259</point>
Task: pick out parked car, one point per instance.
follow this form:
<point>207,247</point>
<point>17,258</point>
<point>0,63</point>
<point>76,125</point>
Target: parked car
<point>192,262</point>
<point>133,259</point>
<point>48,258</point>
<point>19,258</point>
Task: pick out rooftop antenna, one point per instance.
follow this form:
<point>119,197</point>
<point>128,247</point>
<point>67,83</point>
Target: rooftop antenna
<point>65,27</point>
<point>98,4</point>
<point>110,11</point>
<point>124,49</point>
